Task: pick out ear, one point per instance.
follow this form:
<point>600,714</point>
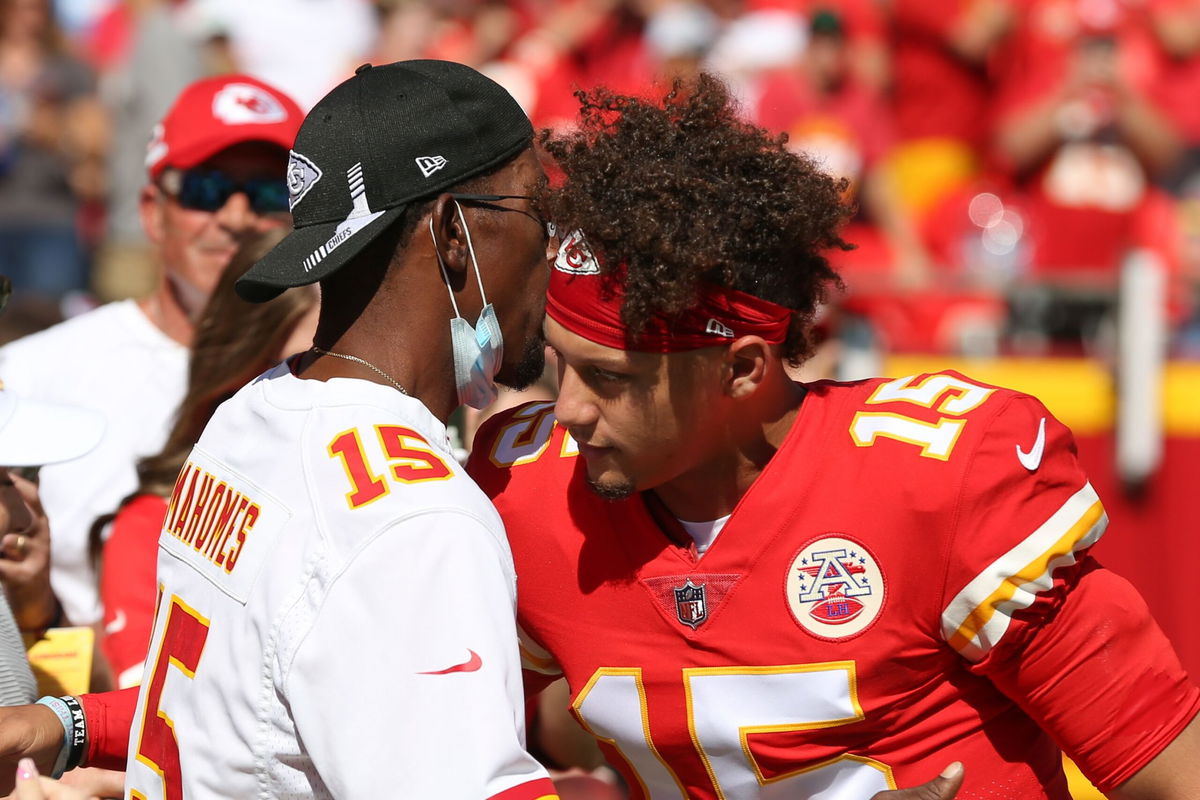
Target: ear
<point>152,211</point>
<point>746,362</point>
<point>449,236</point>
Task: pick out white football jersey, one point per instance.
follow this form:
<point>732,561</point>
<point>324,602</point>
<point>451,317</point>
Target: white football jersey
<point>336,615</point>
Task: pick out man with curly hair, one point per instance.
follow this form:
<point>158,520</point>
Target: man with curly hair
<point>761,588</point>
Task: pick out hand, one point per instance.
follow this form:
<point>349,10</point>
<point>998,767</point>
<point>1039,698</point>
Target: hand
<point>31,731</point>
<point>943,787</point>
<point>31,786</point>
<point>95,782</point>
<point>25,562</point>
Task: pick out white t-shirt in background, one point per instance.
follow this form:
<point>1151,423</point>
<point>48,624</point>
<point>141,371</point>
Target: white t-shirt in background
<point>113,360</point>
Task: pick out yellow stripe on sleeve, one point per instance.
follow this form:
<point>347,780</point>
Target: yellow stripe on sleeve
<point>978,617</point>
<point>534,657</point>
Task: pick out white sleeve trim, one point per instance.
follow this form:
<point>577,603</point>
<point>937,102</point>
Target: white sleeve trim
<point>977,618</point>
<point>536,658</point>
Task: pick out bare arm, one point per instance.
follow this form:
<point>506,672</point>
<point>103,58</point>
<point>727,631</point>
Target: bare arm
<point>31,731</point>
<point>1174,774</point>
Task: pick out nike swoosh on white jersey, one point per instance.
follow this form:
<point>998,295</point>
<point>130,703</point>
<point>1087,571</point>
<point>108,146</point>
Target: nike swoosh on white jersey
<point>470,665</point>
<point>118,623</point>
<point>1033,458</point>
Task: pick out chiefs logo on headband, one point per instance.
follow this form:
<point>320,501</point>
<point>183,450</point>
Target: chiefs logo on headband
<point>587,302</point>
<point>575,258</point>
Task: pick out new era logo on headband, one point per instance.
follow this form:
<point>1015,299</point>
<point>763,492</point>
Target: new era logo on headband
<point>430,164</point>
<point>574,257</point>
<point>718,328</point>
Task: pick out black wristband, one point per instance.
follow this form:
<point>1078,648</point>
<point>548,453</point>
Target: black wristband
<point>77,741</point>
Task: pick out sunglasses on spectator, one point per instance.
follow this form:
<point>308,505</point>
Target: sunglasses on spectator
<point>210,190</point>
<point>489,201</point>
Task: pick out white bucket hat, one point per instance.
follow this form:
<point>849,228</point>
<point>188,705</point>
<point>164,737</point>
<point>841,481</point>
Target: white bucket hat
<point>33,433</point>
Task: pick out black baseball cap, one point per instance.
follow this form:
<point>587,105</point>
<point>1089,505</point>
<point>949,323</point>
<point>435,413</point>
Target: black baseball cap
<point>386,137</point>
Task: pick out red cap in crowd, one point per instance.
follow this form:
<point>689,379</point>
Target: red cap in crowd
<point>215,113</point>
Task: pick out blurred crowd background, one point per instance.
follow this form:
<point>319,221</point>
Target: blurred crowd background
<point>1007,159</point>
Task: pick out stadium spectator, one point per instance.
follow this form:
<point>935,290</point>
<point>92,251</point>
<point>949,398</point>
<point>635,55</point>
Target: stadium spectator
<point>1077,128</point>
<point>32,434</point>
<point>1079,134</point>
<point>1176,26</point>
<point>843,125</point>
<point>235,341</point>
<point>52,138</point>
<point>159,60</point>
<point>940,89</point>
<point>215,179</point>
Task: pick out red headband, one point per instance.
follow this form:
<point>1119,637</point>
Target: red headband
<point>588,304</point>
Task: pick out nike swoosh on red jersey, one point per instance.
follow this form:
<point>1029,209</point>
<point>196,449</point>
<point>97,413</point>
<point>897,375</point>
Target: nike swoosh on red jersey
<point>470,665</point>
<point>1033,459</point>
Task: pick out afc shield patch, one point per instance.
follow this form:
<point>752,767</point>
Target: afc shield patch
<point>835,587</point>
<point>690,604</point>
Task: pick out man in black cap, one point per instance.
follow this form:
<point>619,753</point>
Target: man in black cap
<point>336,614</point>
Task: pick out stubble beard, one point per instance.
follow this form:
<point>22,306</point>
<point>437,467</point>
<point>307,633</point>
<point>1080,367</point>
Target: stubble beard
<point>612,491</point>
<point>529,368</point>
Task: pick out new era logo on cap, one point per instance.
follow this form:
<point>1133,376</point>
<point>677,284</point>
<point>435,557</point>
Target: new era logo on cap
<point>430,164</point>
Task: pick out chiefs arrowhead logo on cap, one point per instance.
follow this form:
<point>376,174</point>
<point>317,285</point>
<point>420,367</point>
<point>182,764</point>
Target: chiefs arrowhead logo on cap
<point>302,173</point>
<point>244,104</point>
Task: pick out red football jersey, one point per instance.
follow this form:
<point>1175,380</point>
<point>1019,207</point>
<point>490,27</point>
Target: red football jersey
<point>906,584</point>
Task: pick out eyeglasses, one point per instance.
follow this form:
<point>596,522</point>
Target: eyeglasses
<point>210,190</point>
<point>489,201</point>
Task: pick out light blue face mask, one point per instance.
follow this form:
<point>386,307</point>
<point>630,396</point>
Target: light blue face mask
<point>478,351</point>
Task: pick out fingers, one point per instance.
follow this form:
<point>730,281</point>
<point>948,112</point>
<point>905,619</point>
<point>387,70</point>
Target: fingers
<point>943,787</point>
<point>29,493</point>
<point>14,546</point>
<point>29,786</point>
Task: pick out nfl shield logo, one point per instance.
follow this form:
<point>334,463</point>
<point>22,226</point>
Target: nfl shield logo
<point>689,604</point>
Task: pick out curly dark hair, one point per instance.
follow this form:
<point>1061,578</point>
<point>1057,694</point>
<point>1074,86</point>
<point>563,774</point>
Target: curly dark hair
<point>683,191</point>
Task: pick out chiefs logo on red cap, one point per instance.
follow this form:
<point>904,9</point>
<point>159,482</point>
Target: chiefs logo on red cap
<point>244,104</point>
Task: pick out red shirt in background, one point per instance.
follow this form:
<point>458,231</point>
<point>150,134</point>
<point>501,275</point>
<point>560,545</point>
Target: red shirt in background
<point>128,585</point>
<point>937,93</point>
<point>1090,199</point>
<point>1177,90</point>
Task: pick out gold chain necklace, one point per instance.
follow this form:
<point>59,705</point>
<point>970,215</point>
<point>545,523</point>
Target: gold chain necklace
<point>366,364</point>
